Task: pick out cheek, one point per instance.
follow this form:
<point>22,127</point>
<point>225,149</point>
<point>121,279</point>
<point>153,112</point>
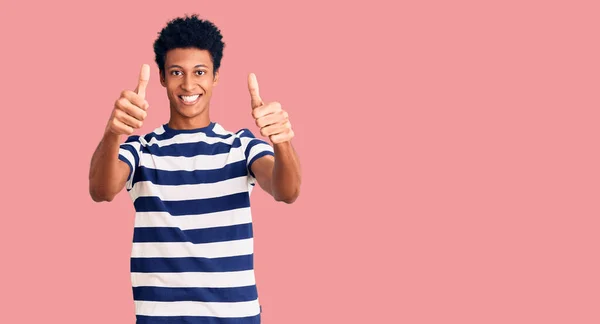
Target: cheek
<point>171,88</point>
<point>207,85</point>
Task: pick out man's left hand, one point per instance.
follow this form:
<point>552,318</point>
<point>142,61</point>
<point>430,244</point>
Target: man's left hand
<point>272,120</point>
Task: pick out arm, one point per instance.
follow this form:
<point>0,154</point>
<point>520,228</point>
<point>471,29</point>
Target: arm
<point>109,170</point>
<point>107,174</point>
<point>280,176</point>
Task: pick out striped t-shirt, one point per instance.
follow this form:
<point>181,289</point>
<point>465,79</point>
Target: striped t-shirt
<point>192,254</point>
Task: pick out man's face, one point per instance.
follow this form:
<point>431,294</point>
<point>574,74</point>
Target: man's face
<point>189,81</point>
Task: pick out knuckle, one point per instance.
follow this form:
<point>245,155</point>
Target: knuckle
<point>255,113</point>
<point>122,102</point>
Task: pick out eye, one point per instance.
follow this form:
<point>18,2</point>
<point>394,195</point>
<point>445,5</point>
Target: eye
<point>175,72</point>
<point>200,72</point>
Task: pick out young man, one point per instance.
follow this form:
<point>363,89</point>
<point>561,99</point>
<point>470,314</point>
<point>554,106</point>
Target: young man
<point>190,182</point>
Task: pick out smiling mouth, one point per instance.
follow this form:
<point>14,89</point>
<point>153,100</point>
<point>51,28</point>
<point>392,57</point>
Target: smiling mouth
<point>189,100</point>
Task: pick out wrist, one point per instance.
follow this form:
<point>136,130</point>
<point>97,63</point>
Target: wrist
<point>110,136</point>
<point>283,149</point>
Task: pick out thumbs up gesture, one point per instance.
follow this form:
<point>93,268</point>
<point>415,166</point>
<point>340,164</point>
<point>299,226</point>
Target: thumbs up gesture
<point>272,120</point>
<point>130,109</point>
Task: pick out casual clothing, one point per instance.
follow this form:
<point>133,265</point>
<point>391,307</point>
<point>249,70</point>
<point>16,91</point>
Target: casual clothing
<point>192,254</point>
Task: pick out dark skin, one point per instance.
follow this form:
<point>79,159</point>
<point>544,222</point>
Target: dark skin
<point>189,80</point>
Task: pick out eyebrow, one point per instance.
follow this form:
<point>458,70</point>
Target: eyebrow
<point>197,66</point>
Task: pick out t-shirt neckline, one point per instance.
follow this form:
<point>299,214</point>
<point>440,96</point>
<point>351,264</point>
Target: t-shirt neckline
<point>204,129</point>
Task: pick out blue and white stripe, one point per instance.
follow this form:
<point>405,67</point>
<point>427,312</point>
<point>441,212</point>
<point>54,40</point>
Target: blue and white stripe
<point>192,254</point>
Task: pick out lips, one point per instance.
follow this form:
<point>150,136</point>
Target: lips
<point>189,100</point>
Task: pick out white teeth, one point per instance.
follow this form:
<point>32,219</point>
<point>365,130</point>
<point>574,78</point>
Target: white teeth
<point>190,98</point>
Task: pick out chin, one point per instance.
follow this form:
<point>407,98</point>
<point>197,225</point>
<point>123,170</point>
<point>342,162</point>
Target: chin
<point>190,112</point>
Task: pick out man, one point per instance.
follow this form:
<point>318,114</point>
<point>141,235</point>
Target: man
<point>190,182</point>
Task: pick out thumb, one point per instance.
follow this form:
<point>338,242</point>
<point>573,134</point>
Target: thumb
<point>143,81</point>
<point>255,99</point>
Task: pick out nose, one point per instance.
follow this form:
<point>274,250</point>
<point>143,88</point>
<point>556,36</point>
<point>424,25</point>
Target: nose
<point>188,83</point>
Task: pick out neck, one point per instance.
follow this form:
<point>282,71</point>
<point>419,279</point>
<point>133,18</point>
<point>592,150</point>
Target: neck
<point>182,122</point>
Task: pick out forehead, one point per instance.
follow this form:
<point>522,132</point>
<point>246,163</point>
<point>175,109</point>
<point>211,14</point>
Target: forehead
<point>188,57</point>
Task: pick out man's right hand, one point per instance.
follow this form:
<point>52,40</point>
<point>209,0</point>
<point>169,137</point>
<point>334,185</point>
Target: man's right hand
<point>130,109</point>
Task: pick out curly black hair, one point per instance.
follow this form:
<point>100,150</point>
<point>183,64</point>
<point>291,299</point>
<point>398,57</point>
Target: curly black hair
<point>189,32</point>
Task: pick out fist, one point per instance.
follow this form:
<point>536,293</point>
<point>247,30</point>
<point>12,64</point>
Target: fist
<point>272,120</point>
<point>129,111</point>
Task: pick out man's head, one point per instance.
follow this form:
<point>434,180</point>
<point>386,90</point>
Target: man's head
<point>188,52</point>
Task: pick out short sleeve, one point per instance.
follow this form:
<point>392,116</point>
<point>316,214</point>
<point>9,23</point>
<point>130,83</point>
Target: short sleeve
<point>129,152</point>
<point>254,148</point>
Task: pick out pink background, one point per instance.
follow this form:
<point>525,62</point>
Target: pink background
<point>449,150</point>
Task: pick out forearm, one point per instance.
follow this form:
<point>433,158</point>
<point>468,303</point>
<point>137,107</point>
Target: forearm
<point>105,178</point>
<point>286,173</point>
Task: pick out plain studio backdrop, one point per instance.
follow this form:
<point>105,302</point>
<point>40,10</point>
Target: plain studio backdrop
<point>449,152</point>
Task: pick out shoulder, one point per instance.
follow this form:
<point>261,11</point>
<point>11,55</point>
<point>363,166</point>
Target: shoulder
<point>245,139</point>
<point>245,133</point>
<point>139,141</point>
<point>239,133</point>
<point>148,138</point>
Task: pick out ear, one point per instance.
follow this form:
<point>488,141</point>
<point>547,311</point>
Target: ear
<point>161,76</point>
<point>216,79</point>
